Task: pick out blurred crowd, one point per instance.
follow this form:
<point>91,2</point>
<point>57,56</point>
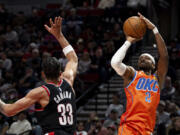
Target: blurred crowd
<point>95,34</point>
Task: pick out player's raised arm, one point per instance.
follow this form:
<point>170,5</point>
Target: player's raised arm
<point>32,97</point>
<point>127,72</point>
<point>162,66</point>
<point>71,67</point>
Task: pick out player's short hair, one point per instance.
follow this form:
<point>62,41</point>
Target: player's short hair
<point>51,68</point>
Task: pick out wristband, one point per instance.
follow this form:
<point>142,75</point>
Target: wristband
<point>155,30</point>
<point>67,49</point>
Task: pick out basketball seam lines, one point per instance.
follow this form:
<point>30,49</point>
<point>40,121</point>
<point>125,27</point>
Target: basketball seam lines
<point>133,29</point>
<point>140,23</point>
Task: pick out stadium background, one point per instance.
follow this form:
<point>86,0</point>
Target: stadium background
<point>94,28</point>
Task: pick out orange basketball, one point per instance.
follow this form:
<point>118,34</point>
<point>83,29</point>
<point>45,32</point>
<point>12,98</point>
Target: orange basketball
<point>134,27</point>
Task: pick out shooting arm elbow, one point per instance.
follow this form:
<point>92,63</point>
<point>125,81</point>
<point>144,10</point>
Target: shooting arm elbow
<point>119,67</point>
<point>114,62</point>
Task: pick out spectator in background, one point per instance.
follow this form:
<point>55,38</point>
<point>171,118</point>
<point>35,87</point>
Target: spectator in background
<point>99,65</point>
<point>136,3</point>
<point>103,4</point>
<point>16,51</point>
<point>80,129</point>
<point>92,118</point>
<point>80,47</point>
<point>45,55</point>
<point>18,22</point>
<point>28,51</point>
<point>84,63</point>
<point>88,34</point>
<point>112,130</point>
<point>19,69</point>
<point>115,105</point>
<point>172,108</point>
<point>2,70</point>
<point>63,61</point>
<point>112,119</point>
<point>97,128</point>
<point>160,128</point>
<point>91,47</point>
<point>7,63</point>
<point>28,81</point>
<point>3,125</point>
<point>11,35</point>
<point>35,62</point>
<point>174,59</point>
<point>172,73</point>
<point>74,22</point>
<point>175,130</point>
<point>164,117</point>
<point>109,50</point>
<point>8,83</point>
<point>117,33</point>
<point>176,96</point>
<point>22,125</point>
<point>2,10</point>
<point>168,90</point>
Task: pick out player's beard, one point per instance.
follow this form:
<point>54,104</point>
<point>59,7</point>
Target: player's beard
<point>145,67</point>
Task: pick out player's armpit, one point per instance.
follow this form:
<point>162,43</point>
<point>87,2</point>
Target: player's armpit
<point>33,96</point>
<point>71,67</point>
<point>128,75</point>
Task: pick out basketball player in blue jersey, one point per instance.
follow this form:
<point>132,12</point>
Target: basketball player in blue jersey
<point>54,101</point>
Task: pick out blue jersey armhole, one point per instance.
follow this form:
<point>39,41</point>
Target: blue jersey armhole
<point>132,79</point>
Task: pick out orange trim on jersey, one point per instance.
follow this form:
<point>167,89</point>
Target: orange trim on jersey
<point>46,89</point>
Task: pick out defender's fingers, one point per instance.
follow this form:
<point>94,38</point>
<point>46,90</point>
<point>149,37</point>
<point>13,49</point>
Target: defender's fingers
<point>47,27</point>
<point>55,21</point>
<point>51,22</point>
<point>140,14</point>
<point>59,20</point>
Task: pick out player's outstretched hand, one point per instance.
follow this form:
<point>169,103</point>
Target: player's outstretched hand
<point>149,24</point>
<point>55,27</point>
<point>132,39</point>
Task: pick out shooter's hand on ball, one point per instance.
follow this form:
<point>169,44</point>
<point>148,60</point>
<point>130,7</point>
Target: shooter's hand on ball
<point>55,27</point>
<point>132,40</point>
<point>149,24</point>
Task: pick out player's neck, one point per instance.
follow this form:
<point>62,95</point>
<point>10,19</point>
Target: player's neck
<point>147,72</point>
<point>56,82</point>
